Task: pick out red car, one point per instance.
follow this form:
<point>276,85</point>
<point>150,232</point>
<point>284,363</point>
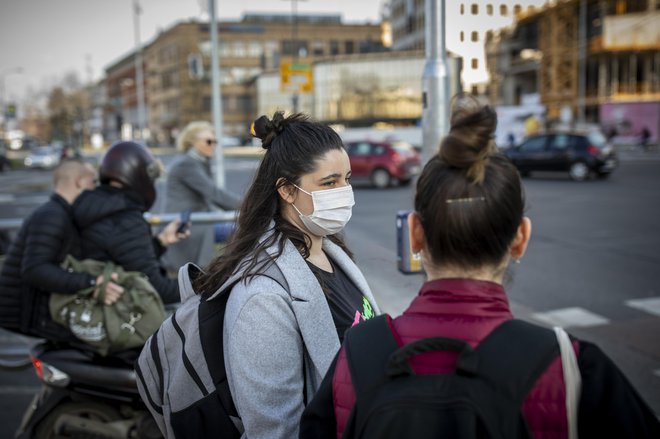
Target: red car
<point>383,162</point>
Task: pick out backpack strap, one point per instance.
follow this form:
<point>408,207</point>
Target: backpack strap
<point>514,356</point>
<point>368,348</point>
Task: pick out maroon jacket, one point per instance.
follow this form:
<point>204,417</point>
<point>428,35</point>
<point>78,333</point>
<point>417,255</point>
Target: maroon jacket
<point>468,310</point>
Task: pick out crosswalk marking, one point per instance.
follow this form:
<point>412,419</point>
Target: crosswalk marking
<point>570,317</point>
<point>650,305</point>
<point>7,198</point>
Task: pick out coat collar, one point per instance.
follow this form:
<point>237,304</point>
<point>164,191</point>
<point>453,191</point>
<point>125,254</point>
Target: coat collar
<point>309,303</point>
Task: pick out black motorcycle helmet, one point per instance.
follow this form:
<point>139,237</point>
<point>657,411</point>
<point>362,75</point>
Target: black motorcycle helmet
<point>132,165</point>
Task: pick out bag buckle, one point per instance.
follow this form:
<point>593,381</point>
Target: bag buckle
<point>134,317</point>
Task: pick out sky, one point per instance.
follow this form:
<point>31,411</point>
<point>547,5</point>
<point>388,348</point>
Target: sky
<point>45,39</point>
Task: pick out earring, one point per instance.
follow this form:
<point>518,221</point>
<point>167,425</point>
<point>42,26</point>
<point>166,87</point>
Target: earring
<point>517,260</point>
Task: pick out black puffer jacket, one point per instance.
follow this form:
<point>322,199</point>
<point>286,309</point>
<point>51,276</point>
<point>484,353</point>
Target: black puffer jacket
<point>31,271</point>
<point>112,228</point>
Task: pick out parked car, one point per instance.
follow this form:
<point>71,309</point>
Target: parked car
<point>579,154</point>
<point>383,163</point>
<point>45,157</point>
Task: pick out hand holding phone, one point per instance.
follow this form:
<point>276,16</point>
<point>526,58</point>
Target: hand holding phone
<point>185,222</point>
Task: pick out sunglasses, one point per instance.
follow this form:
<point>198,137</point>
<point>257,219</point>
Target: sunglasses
<point>211,142</point>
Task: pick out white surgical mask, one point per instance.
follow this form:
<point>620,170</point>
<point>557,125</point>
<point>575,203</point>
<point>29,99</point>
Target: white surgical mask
<point>332,210</point>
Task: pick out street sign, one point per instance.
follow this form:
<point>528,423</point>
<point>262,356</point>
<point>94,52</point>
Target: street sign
<point>296,77</point>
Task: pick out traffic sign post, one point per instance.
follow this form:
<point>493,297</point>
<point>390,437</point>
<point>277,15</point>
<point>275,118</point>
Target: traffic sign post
<point>296,77</point>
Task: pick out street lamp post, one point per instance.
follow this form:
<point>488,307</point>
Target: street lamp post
<point>3,75</point>
<point>218,155</point>
<point>435,81</point>
<point>294,45</point>
<point>139,74</point>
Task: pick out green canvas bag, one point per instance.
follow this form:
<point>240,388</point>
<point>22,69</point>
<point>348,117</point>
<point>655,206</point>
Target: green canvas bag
<point>108,329</point>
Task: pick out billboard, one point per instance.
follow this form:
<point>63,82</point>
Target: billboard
<point>624,121</point>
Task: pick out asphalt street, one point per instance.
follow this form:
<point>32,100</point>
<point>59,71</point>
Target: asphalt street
<point>592,264</point>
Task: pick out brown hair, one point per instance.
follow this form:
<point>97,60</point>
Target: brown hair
<point>469,197</point>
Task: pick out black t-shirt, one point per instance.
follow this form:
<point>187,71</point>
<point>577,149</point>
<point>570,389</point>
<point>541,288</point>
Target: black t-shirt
<point>347,304</point>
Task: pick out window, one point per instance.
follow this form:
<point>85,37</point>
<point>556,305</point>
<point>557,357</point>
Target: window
<point>475,63</point>
<point>489,9</point>
<point>349,47</point>
<point>462,36</point>
<point>462,9</point>
<point>535,144</point>
<point>474,9</point>
<point>517,9</point>
<point>504,11</point>
<point>475,36</point>
<point>561,141</point>
<point>359,149</point>
<point>318,48</point>
<point>334,47</point>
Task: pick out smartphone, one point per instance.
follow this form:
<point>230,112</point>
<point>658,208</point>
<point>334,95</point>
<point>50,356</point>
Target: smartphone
<point>185,222</point>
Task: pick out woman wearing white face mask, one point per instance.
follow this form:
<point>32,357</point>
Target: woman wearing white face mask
<point>299,290</point>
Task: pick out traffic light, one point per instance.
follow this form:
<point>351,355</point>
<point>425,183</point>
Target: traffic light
<point>10,111</point>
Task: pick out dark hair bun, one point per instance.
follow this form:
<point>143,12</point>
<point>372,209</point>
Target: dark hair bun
<point>267,129</point>
<point>470,142</point>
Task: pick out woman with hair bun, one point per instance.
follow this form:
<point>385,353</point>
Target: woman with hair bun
<point>298,288</point>
<point>468,226</point>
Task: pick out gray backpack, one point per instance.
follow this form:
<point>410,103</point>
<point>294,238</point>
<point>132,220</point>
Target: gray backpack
<point>181,369</point>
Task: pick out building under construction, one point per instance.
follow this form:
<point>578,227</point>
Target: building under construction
<point>588,60</point>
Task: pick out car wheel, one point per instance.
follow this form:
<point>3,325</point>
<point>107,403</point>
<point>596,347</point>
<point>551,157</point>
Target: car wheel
<point>579,171</point>
<point>380,178</point>
<point>603,175</point>
<point>405,181</point>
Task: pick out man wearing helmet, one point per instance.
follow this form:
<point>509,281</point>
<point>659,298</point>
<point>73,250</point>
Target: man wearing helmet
<point>111,222</point>
<point>32,269</point>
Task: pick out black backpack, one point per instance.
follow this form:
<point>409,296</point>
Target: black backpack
<point>482,399</point>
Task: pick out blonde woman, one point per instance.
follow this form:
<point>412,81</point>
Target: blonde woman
<point>190,186</point>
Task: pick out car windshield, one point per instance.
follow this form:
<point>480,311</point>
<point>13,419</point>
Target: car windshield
<point>43,150</point>
<point>597,139</point>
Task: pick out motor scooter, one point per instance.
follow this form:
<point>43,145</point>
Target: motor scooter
<point>85,395</point>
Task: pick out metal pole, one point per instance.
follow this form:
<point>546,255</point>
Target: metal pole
<point>435,81</point>
<point>582,60</point>
<point>218,155</point>
<point>294,25</point>
<point>139,74</point>
<point>3,104</point>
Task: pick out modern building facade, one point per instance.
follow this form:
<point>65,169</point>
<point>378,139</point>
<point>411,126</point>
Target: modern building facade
<point>178,66</point>
<point>361,90</point>
<point>467,24</point>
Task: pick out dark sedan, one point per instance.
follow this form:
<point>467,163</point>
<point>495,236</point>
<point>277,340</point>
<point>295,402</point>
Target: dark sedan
<point>581,155</point>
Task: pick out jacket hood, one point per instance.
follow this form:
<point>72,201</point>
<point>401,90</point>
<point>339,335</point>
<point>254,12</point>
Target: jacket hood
<point>92,206</point>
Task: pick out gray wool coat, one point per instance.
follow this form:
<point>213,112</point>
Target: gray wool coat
<point>190,186</point>
<point>278,346</point>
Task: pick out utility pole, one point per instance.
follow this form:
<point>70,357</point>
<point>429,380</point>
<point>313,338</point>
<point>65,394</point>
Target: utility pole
<point>435,81</point>
<point>582,60</point>
<point>218,155</point>
<point>139,74</point>
<point>294,46</point>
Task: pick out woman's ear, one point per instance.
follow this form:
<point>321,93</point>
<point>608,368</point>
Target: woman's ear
<point>520,241</point>
<point>286,190</point>
<point>415,233</point>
